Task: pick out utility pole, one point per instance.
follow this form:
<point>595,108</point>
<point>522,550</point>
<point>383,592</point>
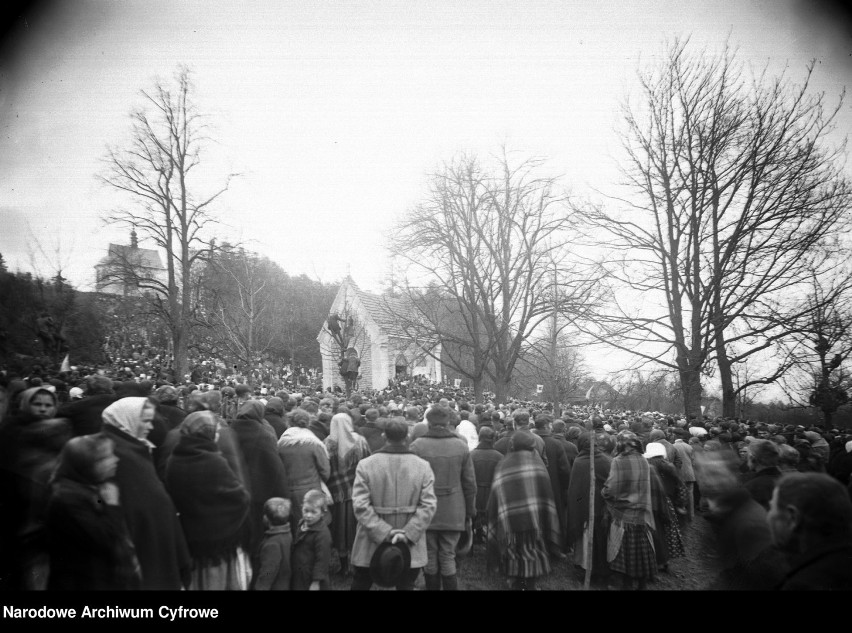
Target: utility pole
<point>557,412</point>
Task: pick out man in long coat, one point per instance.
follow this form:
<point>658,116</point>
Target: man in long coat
<point>393,498</point>
<point>558,468</point>
<point>455,487</point>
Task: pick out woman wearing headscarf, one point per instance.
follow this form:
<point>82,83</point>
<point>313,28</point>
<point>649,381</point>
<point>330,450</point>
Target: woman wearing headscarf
<point>667,494</point>
<point>213,505</point>
<point>88,540</point>
<point>30,442</point>
<point>305,458</point>
<point>264,473</point>
<point>629,512</point>
<point>578,504</point>
<point>150,513</point>
<point>274,414</point>
<point>523,525</point>
<point>345,449</point>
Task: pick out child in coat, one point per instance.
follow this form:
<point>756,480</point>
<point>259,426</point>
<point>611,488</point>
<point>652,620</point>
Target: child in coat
<point>312,545</point>
<point>273,567</point>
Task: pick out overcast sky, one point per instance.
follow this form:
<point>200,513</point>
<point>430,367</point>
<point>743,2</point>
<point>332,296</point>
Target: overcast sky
<point>335,112</point>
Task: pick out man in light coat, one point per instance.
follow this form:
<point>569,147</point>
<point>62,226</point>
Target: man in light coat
<point>687,472</point>
<point>455,488</point>
<point>393,497</point>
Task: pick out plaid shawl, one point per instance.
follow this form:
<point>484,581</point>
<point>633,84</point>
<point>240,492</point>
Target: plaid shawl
<point>627,490</point>
<point>343,472</point>
<point>521,504</point>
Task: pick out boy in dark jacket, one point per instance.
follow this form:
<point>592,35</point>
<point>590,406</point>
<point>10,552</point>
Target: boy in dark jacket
<point>312,545</point>
<point>272,568</point>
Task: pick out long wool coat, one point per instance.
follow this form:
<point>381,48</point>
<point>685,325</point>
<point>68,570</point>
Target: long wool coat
<point>266,475</point>
<point>455,481</point>
<point>212,502</point>
<point>151,515</point>
<point>578,492</point>
<point>393,489</point>
<point>88,541</point>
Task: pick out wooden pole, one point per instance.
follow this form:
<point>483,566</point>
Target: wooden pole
<point>590,541</point>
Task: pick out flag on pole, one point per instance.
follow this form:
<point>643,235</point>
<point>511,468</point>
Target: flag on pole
<point>66,365</point>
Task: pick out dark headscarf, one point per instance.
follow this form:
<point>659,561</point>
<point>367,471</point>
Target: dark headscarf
<point>275,405</point>
<point>212,400</point>
<point>80,455</point>
<point>627,442</point>
<point>200,424</point>
<point>251,410</point>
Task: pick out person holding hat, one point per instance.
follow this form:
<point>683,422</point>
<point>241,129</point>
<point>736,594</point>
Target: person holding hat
<point>455,487</point>
<point>393,497</point>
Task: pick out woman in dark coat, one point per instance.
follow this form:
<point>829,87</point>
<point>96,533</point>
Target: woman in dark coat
<point>150,513</point>
<point>212,503</point>
<point>88,540</point>
<point>667,496</point>
<point>30,442</point>
<point>274,414</point>
<point>265,473</point>
<point>578,505</point>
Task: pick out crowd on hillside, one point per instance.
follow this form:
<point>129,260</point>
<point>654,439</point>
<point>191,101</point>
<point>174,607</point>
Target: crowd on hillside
<point>139,362</point>
<point>124,481</point>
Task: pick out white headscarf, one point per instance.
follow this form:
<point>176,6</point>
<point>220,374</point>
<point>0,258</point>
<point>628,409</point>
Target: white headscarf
<point>655,449</point>
<point>343,435</point>
<point>126,414</point>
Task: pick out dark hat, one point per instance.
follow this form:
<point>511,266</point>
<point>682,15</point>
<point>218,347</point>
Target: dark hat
<point>390,561</point>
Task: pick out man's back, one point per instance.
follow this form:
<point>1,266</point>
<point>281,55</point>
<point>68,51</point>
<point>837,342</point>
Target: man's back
<point>455,481</point>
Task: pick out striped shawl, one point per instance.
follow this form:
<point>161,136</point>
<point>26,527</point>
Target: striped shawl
<point>627,490</point>
<point>521,506</point>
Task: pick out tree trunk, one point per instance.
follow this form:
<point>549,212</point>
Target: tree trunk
<point>180,344</point>
<point>501,390</point>
<point>690,386</point>
<point>477,390</point>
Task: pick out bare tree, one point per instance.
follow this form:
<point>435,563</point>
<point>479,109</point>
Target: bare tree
<point>560,370</point>
<point>479,256</point>
<point>237,305</point>
<point>821,348</point>
<point>159,171</point>
<point>739,196</point>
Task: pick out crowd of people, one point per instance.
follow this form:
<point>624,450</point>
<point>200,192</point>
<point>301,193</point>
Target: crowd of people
<point>146,484</point>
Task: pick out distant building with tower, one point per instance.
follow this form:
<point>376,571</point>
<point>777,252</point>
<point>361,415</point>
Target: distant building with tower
<point>111,271</point>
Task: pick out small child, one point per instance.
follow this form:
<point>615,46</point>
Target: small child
<point>273,569</point>
<point>312,545</point>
